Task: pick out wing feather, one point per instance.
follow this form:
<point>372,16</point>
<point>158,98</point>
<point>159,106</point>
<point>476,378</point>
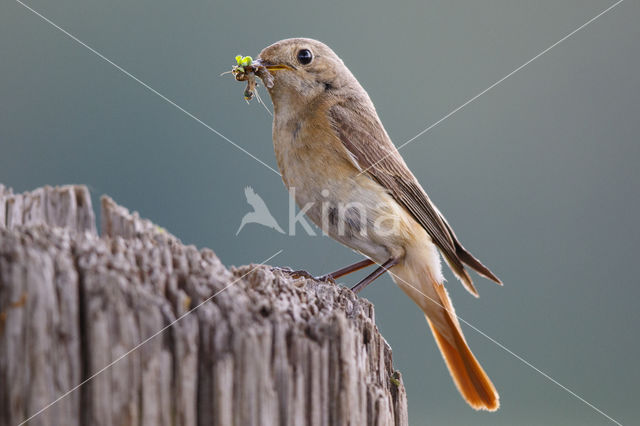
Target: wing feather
<point>367,142</point>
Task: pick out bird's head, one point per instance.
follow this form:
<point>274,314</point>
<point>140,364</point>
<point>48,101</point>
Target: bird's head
<point>304,69</point>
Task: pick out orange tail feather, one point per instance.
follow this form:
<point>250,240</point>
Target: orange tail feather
<point>469,377</point>
<point>419,277</point>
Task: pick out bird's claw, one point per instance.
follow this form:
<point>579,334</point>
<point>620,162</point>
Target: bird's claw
<point>326,278</point>
<point>301,273</point>
<point>294,274</point>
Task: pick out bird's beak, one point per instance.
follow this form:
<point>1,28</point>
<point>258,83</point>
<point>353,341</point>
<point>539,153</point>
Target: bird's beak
<point>272,67</point>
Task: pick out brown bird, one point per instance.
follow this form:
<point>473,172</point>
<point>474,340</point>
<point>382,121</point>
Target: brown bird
<point>344,172</point>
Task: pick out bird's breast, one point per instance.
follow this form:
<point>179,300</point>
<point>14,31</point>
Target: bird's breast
<point>311,158</point>
<point>325,183</point>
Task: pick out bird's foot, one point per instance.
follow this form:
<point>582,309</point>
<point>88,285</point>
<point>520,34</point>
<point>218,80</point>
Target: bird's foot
<point>301,273</point>
<point>294,274</point>
<point>328,278</point>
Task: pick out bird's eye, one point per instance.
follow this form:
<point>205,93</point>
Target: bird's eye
<point>305,56</point>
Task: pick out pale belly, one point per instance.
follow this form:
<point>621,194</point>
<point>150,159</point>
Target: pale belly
<point>352,209</point>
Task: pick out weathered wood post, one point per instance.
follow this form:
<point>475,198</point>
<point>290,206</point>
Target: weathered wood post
<point>159,333</point>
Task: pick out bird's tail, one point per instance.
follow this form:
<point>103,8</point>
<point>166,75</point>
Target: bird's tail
<point>415,277</point>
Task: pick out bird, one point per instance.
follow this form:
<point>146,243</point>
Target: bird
<point>260,213</point>
<point>345,173</point>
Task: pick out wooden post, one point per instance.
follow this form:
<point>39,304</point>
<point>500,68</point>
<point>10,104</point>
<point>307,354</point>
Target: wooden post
<point>163,334</point>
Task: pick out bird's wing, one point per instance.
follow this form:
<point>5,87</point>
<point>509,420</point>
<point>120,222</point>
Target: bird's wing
<point>249,193</point>
<point>254,199</point>
<point>373,152</point>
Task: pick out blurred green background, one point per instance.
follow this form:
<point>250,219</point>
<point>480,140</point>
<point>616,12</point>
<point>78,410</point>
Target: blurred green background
<point>539,176</point>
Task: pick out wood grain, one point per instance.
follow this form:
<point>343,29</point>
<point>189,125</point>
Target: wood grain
<point>267,350</point>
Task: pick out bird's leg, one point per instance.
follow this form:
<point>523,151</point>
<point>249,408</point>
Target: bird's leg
<point>375,274</point>
<point>346,270</point>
